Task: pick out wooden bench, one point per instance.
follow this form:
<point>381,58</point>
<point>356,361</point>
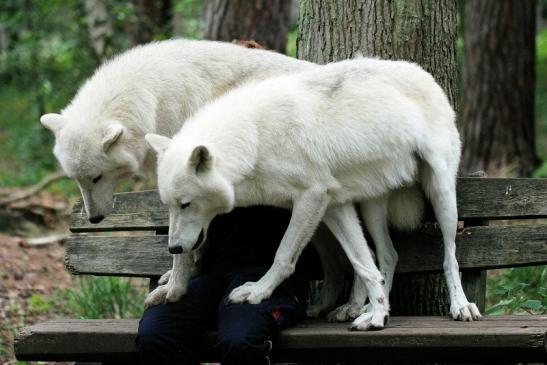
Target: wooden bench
<point>480,247</point>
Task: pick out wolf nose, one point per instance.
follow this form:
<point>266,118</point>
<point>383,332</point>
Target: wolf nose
<point>175,250</point>
<point>96,219</point>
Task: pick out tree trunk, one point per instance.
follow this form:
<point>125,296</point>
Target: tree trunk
<point>498,84</point>
<point>420,31</point>
<point>153,17</point>
<point>99,27</point>
<point>265,21</point>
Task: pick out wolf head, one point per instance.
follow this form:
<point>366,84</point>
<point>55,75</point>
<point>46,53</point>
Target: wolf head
<point>192,187</point>
<point>96,155</point>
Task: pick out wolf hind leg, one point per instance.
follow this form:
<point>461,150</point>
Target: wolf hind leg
<point>375,215</point>
<point>439,185</point>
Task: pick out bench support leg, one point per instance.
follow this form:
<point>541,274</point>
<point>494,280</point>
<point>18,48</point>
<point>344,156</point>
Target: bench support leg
<point>474,286</point>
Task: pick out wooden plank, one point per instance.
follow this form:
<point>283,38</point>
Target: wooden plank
<point>477,248</point>
<point>478,198</point>
<point>502,198</point>
<point>474,286</point>
<point>434,338</point>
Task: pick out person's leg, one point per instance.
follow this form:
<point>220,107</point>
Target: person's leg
<point>245,331</point>
<point>171,333</point>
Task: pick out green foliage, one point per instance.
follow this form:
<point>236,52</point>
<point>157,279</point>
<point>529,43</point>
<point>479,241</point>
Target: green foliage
<point>518,291</point>
<point>291,41</point>
<point>189,15</point>
<point>38,304</point>
<point>541,101</point>
<point>106,297</point>
<point>43,58</point>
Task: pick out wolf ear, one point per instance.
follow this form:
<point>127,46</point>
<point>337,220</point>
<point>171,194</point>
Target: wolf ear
<point>111,134</point>
<point>53,121</point>
<point>157,142</point>
<point>201,159</point>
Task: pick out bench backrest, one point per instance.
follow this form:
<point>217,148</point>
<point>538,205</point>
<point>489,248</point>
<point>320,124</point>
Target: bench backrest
<point>132,241</point>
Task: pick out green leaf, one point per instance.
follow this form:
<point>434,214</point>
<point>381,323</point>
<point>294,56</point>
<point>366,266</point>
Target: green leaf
<point>532,304</point>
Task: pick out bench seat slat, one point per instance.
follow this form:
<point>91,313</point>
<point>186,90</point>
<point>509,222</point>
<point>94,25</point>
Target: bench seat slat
<point>432,338</point>
<point>477,247</point>
<point>478,198</point>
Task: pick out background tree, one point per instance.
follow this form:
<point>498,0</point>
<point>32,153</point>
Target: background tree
<point>265,21</point>
<point>498,83</point>
<point>419,31</point>
<point>100,27</point>
<point>152,18</point>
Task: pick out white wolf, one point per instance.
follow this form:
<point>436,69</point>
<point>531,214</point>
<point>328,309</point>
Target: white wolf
<point>317,141</point>
<point>99,136</point>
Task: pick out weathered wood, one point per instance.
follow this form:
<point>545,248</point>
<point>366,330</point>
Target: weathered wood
<point>478,247</point>
<point>474,286</point>
<point>478,198</point>
<point>432,338</point>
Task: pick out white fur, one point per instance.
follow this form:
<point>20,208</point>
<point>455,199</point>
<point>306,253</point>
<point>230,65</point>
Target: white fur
<point>148,89</point>
<point>317,141</point>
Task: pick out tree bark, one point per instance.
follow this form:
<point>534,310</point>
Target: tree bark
<point>153,17</point>
<point>498,83</point>
<point>265,21</point>
<point>422,31</point>
<point>99,27</point>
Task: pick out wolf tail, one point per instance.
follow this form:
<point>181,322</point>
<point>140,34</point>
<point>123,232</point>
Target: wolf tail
<point>406,208</point>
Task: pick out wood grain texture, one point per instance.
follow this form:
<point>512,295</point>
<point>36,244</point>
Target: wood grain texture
<point>497,123</point>
<point>478,247</point>
<point>509,337</point>
<point>478,198</point>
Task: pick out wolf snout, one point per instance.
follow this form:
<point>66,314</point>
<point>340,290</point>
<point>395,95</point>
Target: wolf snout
<point>96,219</point>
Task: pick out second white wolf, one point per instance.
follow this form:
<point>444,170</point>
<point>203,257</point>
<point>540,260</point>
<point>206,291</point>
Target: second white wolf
<point>316,142</point>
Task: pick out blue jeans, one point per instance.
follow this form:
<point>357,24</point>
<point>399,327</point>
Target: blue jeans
<point>172,333</point>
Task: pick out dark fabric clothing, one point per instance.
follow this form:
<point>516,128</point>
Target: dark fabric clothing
<point>249,237</point>
<point>172,333</point>
<point>241,246</point>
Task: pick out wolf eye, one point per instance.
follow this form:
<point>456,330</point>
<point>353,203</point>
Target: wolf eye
<point>96,179</point>
<point>184,205</point>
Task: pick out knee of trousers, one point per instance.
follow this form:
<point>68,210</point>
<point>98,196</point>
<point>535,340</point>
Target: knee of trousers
<point>240,348</point>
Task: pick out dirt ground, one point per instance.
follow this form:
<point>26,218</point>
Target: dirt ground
<point>30,273</point>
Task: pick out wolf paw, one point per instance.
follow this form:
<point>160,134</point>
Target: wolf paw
<point>250,292</point>
<point>313,311</point>
<point>164,278</point>
<point>346,312</point>
<point>175,292</point>
<point>156,296</point>
<point>370,321</point>
<point>467,312</point>
<point>163,294</point>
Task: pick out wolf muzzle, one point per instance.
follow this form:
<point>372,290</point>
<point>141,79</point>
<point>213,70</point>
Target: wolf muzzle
<point>174,250</point>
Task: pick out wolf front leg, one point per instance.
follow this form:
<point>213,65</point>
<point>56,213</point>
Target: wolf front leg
<point>343,222</point>
<point>307,212</point>
<point>177,282</point>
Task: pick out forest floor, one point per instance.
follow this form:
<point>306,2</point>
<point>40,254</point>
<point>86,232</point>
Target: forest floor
<point>31,273</point>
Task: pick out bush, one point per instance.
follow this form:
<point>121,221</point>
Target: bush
<point>107,297</point>
<point>518,291</point>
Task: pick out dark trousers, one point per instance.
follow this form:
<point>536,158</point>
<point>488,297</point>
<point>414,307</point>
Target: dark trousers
<point>172,333</point>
